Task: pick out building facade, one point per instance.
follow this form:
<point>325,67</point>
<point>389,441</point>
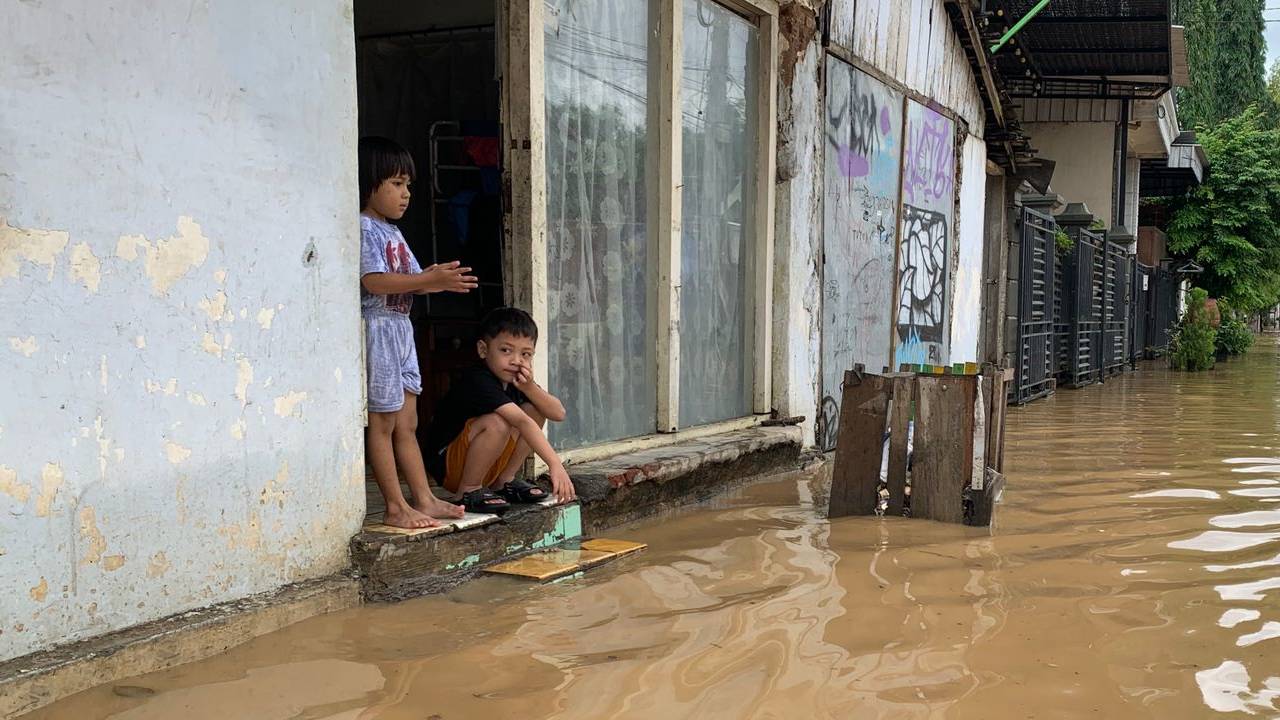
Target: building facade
<point>712,207</point>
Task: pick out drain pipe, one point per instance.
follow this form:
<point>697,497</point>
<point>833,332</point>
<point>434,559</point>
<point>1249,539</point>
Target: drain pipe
<point>1008,34</point>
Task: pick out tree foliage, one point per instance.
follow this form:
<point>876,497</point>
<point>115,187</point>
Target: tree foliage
<point>1226,52</point>
<point>1230,224</point>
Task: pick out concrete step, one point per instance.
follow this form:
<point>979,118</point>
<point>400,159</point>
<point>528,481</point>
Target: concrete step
<point>394,564</point>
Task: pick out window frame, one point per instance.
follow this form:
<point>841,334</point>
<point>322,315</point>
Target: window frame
<point>521,59</point>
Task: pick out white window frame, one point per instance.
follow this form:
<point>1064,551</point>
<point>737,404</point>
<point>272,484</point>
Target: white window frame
<point>525,206</point>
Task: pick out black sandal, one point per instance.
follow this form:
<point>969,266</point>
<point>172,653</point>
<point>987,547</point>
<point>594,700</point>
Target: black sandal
<point>483,501</point>
<point>522,491</point>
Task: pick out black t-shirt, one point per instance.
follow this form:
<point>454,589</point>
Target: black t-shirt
<point>474,392</point>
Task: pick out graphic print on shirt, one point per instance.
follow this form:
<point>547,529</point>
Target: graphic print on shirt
<point>398,262</point>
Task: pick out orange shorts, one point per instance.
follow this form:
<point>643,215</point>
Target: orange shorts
<point>455,458</point>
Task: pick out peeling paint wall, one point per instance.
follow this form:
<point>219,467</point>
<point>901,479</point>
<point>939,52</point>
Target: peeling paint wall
<point>797,315</point>
<point>181,421</point>
<point>910,46</point>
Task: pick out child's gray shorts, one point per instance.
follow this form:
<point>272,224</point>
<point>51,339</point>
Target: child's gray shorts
<point>391,361</point>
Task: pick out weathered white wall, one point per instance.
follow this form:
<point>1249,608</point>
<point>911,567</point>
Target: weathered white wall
<point>797,319</point>
<point>966,315</point>
<point>912,42</point>
<point>180,423</point>
<point>1085,156</point>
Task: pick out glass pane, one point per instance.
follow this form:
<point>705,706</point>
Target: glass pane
<point>718,99</point>
<point>599,339</point>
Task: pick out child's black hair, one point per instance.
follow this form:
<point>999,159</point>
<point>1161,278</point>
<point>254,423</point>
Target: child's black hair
<point>381,158</point>
<point>512,321</point>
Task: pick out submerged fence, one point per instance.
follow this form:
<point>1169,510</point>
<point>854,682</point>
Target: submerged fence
<point>1085,312</point>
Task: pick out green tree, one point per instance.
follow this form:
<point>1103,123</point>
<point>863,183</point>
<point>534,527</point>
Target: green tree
<point>1230,224</point>
<point>1226,52</point>
<point>1273,83</point>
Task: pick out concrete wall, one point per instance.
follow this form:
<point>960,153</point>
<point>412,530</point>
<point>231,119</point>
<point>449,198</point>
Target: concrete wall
<point>180,342</point>
<point>967,301</point>
<point>1085,156</point>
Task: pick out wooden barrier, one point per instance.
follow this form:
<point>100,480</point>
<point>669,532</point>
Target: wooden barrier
<point>945,438</point>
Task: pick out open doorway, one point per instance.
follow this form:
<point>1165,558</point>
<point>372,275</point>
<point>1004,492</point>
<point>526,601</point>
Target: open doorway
<point>426,77</point>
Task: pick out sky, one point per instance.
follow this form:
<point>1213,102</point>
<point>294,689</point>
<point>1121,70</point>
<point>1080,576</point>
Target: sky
<point>1273,31</point>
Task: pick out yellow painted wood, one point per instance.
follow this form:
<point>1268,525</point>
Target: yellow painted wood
<point>617,547</point>
<point>550,564</point>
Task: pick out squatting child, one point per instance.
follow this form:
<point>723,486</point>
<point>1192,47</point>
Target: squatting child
<point>389,278</point>
<point>492,419</point>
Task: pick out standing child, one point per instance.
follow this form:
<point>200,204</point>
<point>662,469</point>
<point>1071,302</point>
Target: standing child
<point>492,418</point>
<point>389,278</point>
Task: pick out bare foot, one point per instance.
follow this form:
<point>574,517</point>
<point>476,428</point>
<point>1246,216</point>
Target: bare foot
<point>408,518</point>
<point>438,508</point>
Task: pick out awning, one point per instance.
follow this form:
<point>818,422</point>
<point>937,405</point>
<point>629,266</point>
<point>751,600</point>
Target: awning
<point>1086,48</point>
<point>1183,170</point>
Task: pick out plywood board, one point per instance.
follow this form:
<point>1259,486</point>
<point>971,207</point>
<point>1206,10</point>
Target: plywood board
<point>855,474</point>
<point>617,547</point>
<point>373,523</point>
<point>550,564</point>
<point>941,456</point>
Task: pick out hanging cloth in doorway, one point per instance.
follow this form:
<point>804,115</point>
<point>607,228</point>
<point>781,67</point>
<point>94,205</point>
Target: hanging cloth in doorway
<point>483,151</point>
<point>460,214</point>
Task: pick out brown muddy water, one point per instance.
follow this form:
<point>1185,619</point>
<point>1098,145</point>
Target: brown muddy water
<point>1134,573</point>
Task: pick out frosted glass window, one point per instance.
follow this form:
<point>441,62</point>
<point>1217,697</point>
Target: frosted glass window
<point>599,341</point>
<point>718,119</point>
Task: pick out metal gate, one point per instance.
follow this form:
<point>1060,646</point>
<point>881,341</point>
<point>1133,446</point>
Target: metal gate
<point>1164,310</point>
<point>1036,302</point>
<point>1083,274</point>
<point>1115,308</point>
<point>1140,292</point>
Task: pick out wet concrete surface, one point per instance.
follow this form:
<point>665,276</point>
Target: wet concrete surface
<point>1133,573</point>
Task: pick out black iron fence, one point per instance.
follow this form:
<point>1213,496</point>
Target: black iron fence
<point>1037,362</point>
<point>1084,313</point>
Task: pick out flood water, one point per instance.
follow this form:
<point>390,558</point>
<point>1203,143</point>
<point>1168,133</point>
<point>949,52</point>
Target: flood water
<point>1134,573</point>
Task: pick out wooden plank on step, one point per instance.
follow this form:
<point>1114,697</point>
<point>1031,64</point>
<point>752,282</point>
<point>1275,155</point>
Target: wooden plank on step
<point>855,472</point>
<point>904,390</point>
<point>943,446</point>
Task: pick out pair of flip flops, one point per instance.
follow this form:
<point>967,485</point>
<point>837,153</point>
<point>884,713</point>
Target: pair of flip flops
<point>498,502</point>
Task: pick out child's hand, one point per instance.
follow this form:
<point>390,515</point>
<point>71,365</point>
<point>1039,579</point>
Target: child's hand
<point>449,277</point>
<point>561,486</point>
<point>524,377</point>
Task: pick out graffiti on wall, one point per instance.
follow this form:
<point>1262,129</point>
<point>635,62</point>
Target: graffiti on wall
<point>861,187</point>
<point>928,184</point>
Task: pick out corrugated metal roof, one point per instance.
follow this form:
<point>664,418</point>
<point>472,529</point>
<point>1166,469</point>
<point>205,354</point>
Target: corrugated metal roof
<point>1086,48</point>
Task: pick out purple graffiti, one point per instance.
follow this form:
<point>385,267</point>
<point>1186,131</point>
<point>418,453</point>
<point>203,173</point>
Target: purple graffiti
<point>852,164</point>
<point>885,125</point>
<point>930,171</point>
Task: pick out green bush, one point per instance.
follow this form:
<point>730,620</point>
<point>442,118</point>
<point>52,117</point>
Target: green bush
<point>1192,345</point>
<point>1063,241</point>
<point>1234,336</point>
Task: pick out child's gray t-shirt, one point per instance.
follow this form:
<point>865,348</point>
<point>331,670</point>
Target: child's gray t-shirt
<point>383,250</point>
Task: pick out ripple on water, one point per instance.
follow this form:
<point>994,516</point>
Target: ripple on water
<point>1253,518</point>
<point>1256,590</point>
<point>1180,493</point>
<point>1224,541</point>
<point>1228,688</point>
<point>1235,616</point>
